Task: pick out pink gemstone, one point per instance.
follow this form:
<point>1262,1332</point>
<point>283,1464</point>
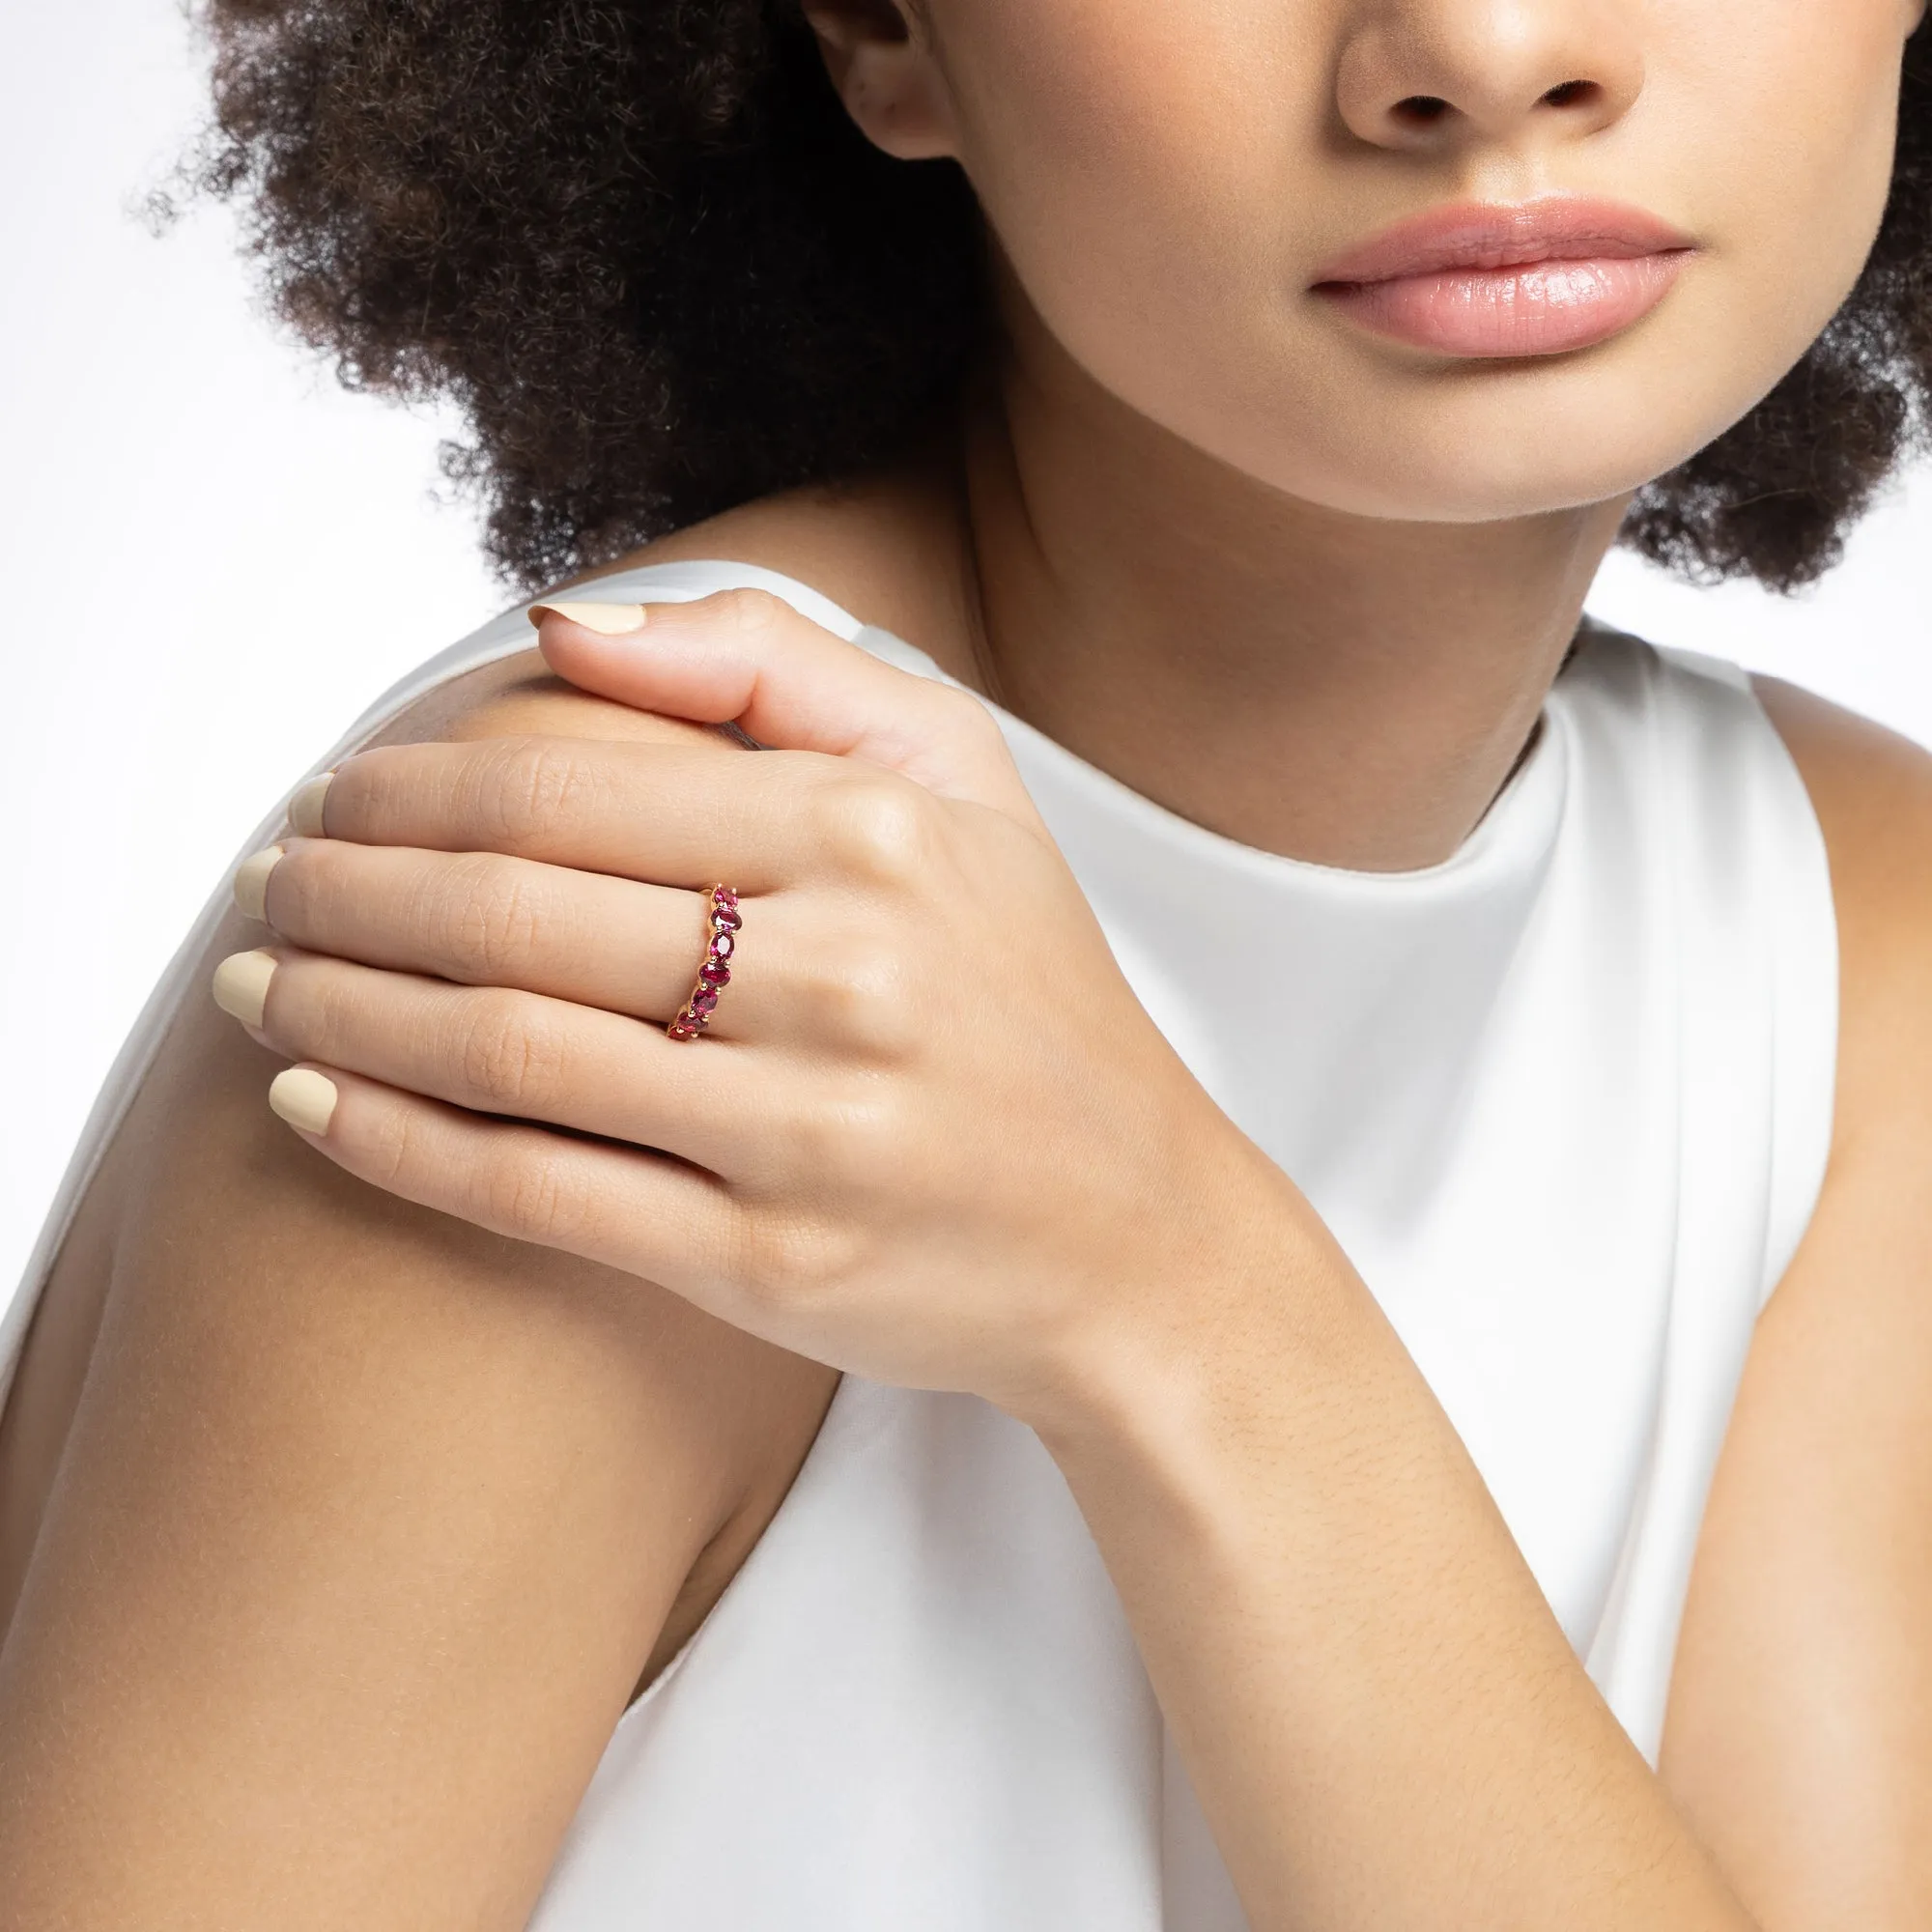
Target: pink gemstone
<point>723,896</point>
<point>714,973</point>
<point>723,945</point>
<point>723,915</point>
<point>703,1000</point>
<point>682,1031</point>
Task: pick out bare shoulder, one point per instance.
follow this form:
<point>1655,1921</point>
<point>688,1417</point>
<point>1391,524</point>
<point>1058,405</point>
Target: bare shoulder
<point>1868,782</point>
<point>889,546</point>
<point>1871,785</point>
<point>509,1419</point>
<point>1798,1690</point>
<point>885,547</point>
<point>1871,789</point>
<point>199,1175</point>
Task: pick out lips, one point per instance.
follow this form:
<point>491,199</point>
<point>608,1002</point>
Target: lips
<point>1498,280</point>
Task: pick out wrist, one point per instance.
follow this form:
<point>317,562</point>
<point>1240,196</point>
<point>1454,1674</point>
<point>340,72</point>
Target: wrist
<point>1251,1295</point>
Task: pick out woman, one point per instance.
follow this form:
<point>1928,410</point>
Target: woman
<point>1153,1339</point>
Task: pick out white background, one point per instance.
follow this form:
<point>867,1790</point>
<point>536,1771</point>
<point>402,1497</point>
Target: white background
<point>214,560</point>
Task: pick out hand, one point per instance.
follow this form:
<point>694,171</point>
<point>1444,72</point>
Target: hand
<point>928,1135</point>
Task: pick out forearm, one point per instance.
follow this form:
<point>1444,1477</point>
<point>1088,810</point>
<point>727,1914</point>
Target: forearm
<point>1383,1719</point>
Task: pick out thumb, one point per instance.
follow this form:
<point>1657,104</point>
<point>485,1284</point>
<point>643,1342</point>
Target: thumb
<point>746,656</point>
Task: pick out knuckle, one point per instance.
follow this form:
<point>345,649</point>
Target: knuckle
<point>874,1137</point>
<point>861,994</point>
<point>530,786</point>
<point>389,1155</point>
<point>376,789</point>
<point>321,1013</point>
<point>312,891</point>
<point>966,714</point>
<point>487,920</point>
<point>754,612</point>
<point>759,1260</point>
<point>793,1259</point>
<point>877,828</point>
<point>504,1055</point>
<point>526,1191</point>
<point>850,1143</point>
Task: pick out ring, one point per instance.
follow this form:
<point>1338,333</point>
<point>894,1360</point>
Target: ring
<point>716,972</point>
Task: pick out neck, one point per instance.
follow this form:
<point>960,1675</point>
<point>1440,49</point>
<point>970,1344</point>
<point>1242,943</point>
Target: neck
<point>1346,690</point>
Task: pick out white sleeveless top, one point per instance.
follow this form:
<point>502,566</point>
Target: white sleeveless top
<point>1565,1098</point>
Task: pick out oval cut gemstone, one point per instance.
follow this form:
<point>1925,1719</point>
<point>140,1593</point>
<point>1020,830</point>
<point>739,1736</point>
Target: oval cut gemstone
<point>721,945</point>
<point>702,1002</point>
<point>727,916</point>
<point>714,973</point>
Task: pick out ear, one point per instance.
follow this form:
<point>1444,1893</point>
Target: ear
<point>880,58</point>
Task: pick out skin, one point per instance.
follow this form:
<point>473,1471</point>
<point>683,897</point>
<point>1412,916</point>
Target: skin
<point>497,1451</point>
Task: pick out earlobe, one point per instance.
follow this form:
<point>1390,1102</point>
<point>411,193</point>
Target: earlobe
<point>882,65</point>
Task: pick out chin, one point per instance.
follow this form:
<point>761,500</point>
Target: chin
<point>1511,474</point>
<point>1486,442</point>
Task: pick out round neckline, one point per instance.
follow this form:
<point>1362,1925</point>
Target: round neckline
<point>1521,819</point>
<point>1510,821</point>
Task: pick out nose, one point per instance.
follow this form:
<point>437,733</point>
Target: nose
<point>1420,75</point>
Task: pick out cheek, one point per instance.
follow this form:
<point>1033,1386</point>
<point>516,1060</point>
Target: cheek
<point>1792,119</point>
<point>1114,140</point>
<point>1154,170</point>
<point>1776,123</point>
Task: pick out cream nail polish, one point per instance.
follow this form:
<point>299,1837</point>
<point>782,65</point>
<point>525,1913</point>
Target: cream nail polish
<point>305,808</point>
<point>241,985</point>
<point>305,1098</point>
<point>610,621</point>
<point>251,881</point>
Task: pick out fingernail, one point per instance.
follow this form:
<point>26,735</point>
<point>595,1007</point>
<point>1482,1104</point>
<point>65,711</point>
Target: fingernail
<point>241,985</point>
<point>610,621</point>
<point>305,808</point>
<point>305,1098</point>
<point>251,881</point>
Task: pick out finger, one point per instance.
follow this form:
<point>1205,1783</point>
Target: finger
<point>518,1055</point>
<point>668,814</point>
<point>480,918</point>
<point>747,657</point>
<point>684,815</point>
<point>645,1213</point>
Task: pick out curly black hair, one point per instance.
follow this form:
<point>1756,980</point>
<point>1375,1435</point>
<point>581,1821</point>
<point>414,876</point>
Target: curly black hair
<point>642,247</point>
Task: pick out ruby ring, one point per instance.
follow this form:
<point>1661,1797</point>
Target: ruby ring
<point>716,972</point>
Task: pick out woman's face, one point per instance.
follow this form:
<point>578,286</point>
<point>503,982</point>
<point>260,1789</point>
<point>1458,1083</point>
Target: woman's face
<point>1179,186</point>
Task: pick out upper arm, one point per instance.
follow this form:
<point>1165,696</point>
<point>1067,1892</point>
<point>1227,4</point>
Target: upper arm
<point>364,1522</point>
<point>1798,1736</point>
